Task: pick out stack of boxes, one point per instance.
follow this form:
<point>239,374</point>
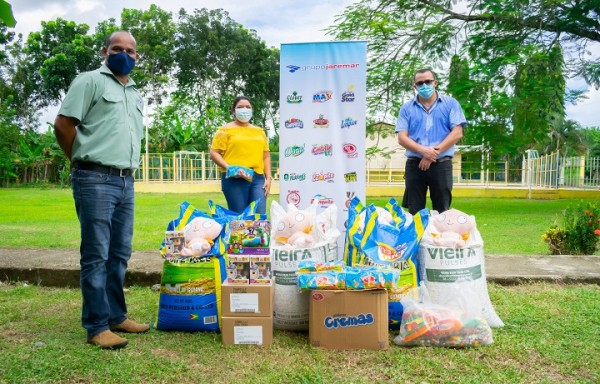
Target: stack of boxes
<point>247,294</point>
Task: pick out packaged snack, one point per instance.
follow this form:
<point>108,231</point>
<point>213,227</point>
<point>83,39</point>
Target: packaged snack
<point>321,280</point>
<point>307,266</point>
<point>239,171</point>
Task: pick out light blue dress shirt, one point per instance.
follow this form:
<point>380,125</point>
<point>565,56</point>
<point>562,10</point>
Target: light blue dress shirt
<point>429,128</point>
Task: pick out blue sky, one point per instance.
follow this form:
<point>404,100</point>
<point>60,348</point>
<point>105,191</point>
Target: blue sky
<point>276,22</point>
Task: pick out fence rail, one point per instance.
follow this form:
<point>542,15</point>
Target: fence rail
<point>548,171</point>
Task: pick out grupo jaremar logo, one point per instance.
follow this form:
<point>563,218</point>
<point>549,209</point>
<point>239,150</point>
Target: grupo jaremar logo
<point>322,67</point>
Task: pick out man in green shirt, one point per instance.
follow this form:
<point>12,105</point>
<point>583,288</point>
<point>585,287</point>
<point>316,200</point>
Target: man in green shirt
<point>99,128</point>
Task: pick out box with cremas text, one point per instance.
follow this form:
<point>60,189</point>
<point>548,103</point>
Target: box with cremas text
<point>349,319</point>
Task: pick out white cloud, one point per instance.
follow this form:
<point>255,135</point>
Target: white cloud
<point>275,22</point>
<point>586,111</point>
<point>86,5</point>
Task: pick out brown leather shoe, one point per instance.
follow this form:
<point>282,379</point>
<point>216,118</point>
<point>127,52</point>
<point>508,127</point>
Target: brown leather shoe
<point>108,340</point>
<point>130,326</point>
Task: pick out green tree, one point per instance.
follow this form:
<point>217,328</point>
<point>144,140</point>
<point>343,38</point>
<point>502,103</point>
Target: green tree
<point>55,55</point>
<point>154,31</point>
<point>498,39</point>
<point>539,94</point>
<point>218,59</point>
<point>591,138</point>
<point>9,138</point>
<point>176,128</point>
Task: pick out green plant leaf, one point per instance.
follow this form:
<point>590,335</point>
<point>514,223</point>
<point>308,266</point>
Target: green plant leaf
<point>6,14</point>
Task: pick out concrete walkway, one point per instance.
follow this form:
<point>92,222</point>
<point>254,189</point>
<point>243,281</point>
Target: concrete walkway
<point>60,268</point>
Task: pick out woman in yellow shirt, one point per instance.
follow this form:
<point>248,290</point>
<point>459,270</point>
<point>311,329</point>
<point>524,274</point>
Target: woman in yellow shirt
<point>240,143</point>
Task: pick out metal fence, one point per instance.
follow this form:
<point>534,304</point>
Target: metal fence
<point>554,171</point>
<point>547,171</point>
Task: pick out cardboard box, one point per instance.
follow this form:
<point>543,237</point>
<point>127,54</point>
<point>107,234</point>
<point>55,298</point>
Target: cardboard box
<point>238,269</point>
<point>247,330</point>
<point>260,270</point>
<point>247,300</point>
<point>349,319</point>
<point>249,237</point>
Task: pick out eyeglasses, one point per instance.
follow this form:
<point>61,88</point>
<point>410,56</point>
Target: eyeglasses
<point>428,82</point>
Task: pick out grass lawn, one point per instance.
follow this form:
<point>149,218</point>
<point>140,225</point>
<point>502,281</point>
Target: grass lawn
<point>45,218</point>
<point>550,336</point>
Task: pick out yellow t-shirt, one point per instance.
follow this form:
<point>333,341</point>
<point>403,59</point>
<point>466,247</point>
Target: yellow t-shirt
<point>243,146</point>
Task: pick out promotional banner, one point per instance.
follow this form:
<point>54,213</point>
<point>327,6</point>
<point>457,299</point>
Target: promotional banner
<point>322,125</point>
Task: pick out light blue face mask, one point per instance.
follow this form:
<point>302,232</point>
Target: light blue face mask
<point>425,91</point>
<point>243,114</point>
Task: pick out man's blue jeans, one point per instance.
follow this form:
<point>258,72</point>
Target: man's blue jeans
<point>105,208</point>
<point>239,193</point>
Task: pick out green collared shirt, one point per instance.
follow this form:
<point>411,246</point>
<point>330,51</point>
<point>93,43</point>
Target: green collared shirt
<point>110,119</point>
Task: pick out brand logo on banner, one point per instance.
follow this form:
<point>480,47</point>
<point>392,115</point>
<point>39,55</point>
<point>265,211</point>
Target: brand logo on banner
<point>294,98</point>
<point>323,201</point>
<point>349,197</point>
<point>325,67</point>
<point>350,150</point>
<point>322,149</point>
<point>348,122</point>
<point>323,176</point>
<point>348,96</point>
<point>293,197</point>
<point>294,151</point>
<point>294,176</point>
<point>321,122</point>
<point>294,123</point>
<point>322,96</point>
<point>350,177</point>
<point>293,68</point>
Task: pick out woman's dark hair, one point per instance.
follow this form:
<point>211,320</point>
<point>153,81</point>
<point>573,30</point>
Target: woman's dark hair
<point>237,100</point>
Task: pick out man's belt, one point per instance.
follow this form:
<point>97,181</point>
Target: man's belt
<point>87,166</point>
<point>440,160</point>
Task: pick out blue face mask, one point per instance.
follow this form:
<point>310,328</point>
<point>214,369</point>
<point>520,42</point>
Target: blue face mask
<point>120,63</point>
<point>425,91</point>
<point>243,114</point>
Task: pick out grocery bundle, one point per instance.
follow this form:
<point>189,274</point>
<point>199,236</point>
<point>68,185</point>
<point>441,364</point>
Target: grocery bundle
<point>420,276</point>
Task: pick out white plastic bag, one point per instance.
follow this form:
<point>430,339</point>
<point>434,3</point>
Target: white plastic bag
<point>427,324</point>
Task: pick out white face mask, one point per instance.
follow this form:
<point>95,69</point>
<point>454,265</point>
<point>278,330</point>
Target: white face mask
<point>243,114</point>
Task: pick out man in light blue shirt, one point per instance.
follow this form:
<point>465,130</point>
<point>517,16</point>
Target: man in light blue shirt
<point>428,127</point>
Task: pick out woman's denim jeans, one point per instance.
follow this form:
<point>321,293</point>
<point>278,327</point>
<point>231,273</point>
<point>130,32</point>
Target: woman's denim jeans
<point>239,193</point>
<point>105,208</point>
